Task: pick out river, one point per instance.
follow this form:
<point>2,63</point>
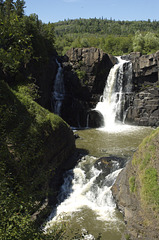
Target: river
<point>85,200</point>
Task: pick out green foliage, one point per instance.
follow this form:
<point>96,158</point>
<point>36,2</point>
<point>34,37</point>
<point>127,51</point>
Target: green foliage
<point>150,188</point>
<point>146,43</point>
<point>23,39</point>
<point>132,184</point>
<point>81,75</point>
<point>113,37</point>
<point>24,172</point>
<point>144,161</point>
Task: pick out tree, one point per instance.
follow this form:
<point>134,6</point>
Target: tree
<point>19,7</point>
<point>138,42</point>
<point>151,43</point>
<point>8,7</point>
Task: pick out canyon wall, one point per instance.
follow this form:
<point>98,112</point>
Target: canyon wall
<point>144,102</point>
<point>85,74</point>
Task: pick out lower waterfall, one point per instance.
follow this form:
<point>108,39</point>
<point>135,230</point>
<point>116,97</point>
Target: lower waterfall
<point>112,102</point>
<point>87,187</point>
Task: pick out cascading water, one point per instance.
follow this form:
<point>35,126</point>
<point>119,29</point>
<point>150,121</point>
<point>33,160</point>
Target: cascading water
<point>85,201</point>
<point>112,104</point>
<point>87,187</point>
<point>58,93</point>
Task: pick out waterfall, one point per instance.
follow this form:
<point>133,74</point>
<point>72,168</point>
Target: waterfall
<point>58,93</point>
<point>86,187</point>
<point>112,104</point>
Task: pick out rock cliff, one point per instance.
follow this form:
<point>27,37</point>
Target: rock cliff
<point>144,107</point>
<point>136,191</point>
<point>85,75</point>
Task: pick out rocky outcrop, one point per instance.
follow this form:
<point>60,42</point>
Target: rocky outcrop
<point>136,191</point>
<point>144,107</point>
<point>43,74</point>
<point>85,72</point>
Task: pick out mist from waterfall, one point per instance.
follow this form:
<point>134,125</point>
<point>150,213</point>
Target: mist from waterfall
<point>58,93</point>
<point>112,102</point>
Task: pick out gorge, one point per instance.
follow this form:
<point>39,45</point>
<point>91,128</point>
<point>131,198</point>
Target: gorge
<point>99,154</point>
<point>70,166</point>
<point>86,190</point>
<point>85,72</point>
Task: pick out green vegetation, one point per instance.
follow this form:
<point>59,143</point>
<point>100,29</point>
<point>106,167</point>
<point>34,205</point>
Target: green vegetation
<point>132,184</point>
<point>113,37</point>
<point>24,168</point>
<point>145,163</point>
<point>23,40</point>
<point>26,128</point>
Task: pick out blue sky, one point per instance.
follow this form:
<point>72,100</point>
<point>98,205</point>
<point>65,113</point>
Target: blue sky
<point>56,10</point>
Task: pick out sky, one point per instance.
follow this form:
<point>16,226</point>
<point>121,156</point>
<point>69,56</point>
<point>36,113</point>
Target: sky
<point>58,10</point>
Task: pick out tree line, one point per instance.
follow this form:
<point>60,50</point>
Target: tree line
<point>113,37</point>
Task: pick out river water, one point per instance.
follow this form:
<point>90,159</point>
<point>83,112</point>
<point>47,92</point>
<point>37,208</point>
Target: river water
<point>85,200</point>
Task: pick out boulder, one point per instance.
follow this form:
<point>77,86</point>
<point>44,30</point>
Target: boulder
<point>95,119</point>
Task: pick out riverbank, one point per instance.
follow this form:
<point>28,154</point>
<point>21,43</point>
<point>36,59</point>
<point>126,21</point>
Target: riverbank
<point>136,190</point>
<point>85,200</point>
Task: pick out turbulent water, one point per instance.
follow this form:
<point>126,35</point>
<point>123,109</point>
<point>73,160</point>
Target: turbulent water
<point>85,201</point>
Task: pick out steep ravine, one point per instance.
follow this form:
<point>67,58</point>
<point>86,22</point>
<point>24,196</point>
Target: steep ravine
<point>136,191</point>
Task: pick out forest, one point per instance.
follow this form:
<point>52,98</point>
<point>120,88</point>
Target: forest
<point>26,41</point>
<point>113,37</point>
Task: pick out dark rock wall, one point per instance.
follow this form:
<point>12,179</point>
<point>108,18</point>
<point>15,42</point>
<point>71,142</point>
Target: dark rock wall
<point>43,74</point>
<point>144,107</point>
<point>85,72</point>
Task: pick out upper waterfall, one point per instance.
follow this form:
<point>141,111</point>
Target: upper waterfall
<point>58,93</point>
<point>112,102</point>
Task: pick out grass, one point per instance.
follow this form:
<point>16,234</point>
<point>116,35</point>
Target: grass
<point>132,184</point>
<point>145,162</point>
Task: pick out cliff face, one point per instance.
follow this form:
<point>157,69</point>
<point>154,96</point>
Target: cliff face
<point>85,74</point>
<point>144,107</point>
<point>136,190</point>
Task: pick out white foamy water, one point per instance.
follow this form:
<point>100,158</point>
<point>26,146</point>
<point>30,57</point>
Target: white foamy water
<point>84,192</point>
<point>112,104</point>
